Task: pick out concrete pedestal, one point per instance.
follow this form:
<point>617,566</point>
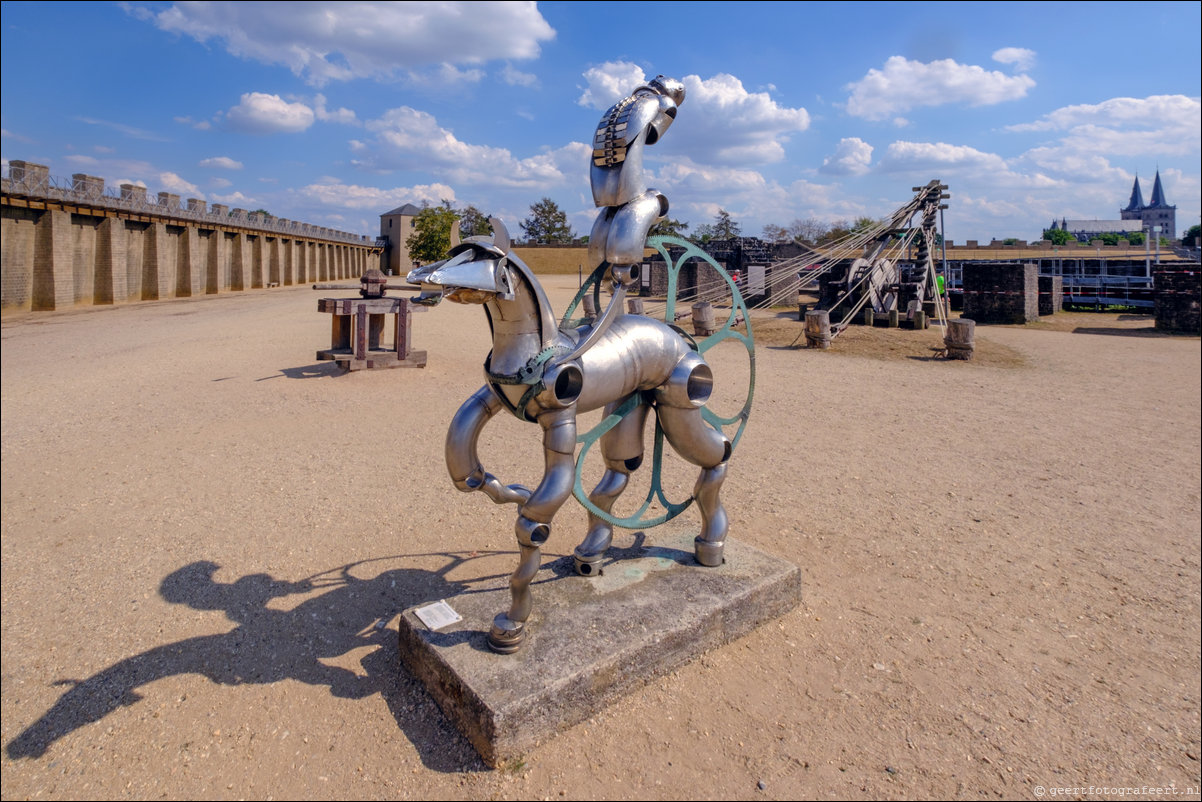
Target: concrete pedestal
<point>590,640</point>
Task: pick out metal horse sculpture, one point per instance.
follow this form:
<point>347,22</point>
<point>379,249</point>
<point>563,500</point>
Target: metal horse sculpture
<point>533,373</point>
<point>546,374</point>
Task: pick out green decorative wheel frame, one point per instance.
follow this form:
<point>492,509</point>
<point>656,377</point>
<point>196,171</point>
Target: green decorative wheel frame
<point>727,331</point>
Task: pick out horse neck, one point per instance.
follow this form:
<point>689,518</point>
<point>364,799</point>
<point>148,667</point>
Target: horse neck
<point>521,327</point>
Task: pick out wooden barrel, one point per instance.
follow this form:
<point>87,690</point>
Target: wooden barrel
<point>703,320</point>
<point>818,329</point>
<point>634,306</point>
<point>959,338</point>
<point>801,311</point>
<point>920,319</point>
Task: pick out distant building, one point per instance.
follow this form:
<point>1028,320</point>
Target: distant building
<point>396,227</point>
<point>1156,213</point>
<point>1086,230</point>
<point>1137,216</point>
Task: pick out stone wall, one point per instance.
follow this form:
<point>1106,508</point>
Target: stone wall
<point>1051,294</point>
<point>1178,297</point>
<point>1001,293</point>
<point>66,247</point>
<point>54,259</point>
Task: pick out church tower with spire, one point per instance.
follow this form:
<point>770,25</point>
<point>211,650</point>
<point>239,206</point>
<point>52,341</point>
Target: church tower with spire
<point>1156,213</point>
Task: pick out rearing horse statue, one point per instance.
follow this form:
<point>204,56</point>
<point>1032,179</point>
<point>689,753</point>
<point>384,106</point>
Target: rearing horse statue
<point>528,375</point>
<point>547,375</point>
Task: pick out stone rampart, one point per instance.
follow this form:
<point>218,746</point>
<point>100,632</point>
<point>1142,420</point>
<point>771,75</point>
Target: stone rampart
<point>66,244</point>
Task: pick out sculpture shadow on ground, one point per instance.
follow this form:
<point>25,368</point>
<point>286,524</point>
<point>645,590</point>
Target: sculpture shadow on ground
<point>314,371</point>
<point>341,613</point>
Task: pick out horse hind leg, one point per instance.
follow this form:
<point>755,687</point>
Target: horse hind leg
<point>678,405</point>
<point>622,450</point>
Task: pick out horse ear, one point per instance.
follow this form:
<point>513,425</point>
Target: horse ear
<point>455,234</point>
<point>500,234</point>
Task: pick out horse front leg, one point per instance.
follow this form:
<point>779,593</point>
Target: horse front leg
<point>622,450</point>
<point>533,526</point>
<point>462,461</point>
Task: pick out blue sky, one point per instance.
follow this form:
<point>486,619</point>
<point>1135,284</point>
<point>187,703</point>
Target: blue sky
<point>333,113</point>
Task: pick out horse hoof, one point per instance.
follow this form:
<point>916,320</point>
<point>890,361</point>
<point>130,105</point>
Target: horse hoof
<point>587,567</point>
<point>506,636</point>
<point>708,554</point>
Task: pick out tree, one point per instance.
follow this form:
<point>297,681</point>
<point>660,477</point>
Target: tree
<point>473,222</point>
<point>863,225</point>
<point>1194,231</point>
<point>1057,236</point>
<point>838,230</point>
<point>546,223</point>
<point>775,233</point>
<point>431,237</point>
<point>668,228</point>
<point>809,230</point>
<point>724,226</point>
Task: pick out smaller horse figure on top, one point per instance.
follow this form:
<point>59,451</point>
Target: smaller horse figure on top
<point>546,375</point>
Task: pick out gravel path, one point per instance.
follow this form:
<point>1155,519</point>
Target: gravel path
<point>207,536</point>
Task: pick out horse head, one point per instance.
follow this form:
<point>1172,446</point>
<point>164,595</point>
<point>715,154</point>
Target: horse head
<point>474,272</point>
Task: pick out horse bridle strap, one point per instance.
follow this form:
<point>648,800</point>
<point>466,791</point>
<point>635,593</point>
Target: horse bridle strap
<point>531,374</point>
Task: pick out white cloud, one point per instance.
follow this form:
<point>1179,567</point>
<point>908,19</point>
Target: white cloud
<point>330,192</point>
<point>936,155</point>
<point>1022,58</point>
<point>515,77</point>
<point>340,115</point>
<point>221,162</point>
<point>259,113</point>
<point>325,41</point>
<point>406,138</point>
<point>235,199</point>
<point>852,156</point>
<point>173,183</point>
<point>220,183</point>
<point>1160,124</point>
<point>903,85</point>
<point>199,125</point>
<point>608,83</point>
<point>725,124</point>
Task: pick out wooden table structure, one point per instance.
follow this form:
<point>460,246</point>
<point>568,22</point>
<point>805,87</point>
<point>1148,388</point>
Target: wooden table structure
<point>356,330</point>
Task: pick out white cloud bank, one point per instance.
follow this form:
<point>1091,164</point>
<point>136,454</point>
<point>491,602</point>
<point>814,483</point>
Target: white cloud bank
<point>259,113</point>
<point>904,84</point>
<point>852,156</point>
<point>326,41</point>
<point>1022,58</point>
<point>221,162</point>
<point>727,123</point>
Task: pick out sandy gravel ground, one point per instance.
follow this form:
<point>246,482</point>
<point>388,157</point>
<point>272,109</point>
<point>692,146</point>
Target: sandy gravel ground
<point>207,535</point>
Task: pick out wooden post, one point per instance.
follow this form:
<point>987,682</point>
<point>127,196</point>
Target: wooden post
<point>959,338</point>
<point>703,320</point>
<point>818,329</point>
